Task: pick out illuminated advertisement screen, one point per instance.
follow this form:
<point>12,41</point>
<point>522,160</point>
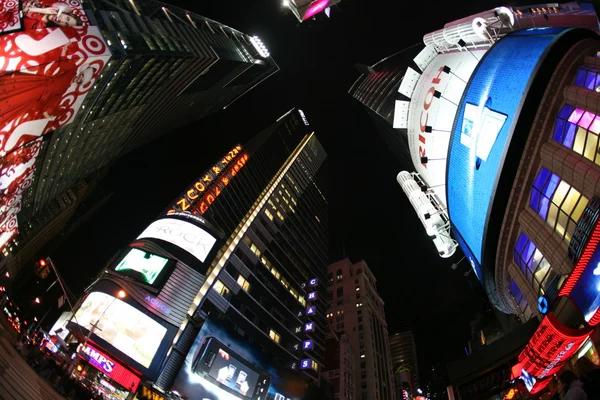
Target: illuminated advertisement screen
<point>123,326</point>
<point>10,18</point>
<point>483,129</point>
<point>144,267</point>
<point>46,68</point>
<point>221,365</point>
<point>183,234</point>
<point>16,175</point>
<point>586,292</point>
<point>315,7</point>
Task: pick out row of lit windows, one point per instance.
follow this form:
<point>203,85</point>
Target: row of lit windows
<point>274,271</point>
<point>535,267</point>
<point>578,130</point>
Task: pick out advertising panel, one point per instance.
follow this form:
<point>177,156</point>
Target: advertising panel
<point>147,268</point>
<point>550,347</point>
<point>583,285</point>
<point>60,326</point>
<point>108,366</point>
<point>127,329</point>
<point>438,113</point>
<point>46,70</point>
<point>10,16</point>
<point>484,126</point>
<point>223,366</point>
<point>16,174</point>
<point>182,234</point>
<point>314,8</point>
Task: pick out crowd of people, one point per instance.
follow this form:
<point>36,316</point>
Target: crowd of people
<point>55,373</point>
<point>581,384</point>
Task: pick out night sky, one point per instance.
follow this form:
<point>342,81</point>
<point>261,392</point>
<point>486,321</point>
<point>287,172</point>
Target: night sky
<point>370,217</point>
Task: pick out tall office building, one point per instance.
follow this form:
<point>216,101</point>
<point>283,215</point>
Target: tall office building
<point>356,309</point>
<point>502,121</point>
<point>120,75</point>
<point>338,370</point>
<point>226,288</point>
<point>404,363</point>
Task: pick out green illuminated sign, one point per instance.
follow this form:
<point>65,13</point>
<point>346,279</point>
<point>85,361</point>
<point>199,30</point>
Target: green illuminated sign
<point>148,266</point>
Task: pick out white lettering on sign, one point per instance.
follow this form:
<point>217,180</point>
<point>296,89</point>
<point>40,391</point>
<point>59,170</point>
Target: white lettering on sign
<point>99,359</point>
<point>556,360</point>
<point>303,117</point>
<point>157,304</point>
<point>182,234</point>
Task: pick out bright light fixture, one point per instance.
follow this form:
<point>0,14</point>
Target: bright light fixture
<point>259,46</point>
<point>286,3</point>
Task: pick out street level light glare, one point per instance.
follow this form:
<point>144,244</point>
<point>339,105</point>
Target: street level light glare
<point>121,294</point>
<point>286,3</point>
<point>37,300</point>
<point>7,275</point>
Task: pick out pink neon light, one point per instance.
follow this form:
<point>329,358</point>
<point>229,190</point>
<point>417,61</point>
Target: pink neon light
<point>315,8</point>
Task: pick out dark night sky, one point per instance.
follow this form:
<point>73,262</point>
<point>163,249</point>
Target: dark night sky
<point>370,219</point>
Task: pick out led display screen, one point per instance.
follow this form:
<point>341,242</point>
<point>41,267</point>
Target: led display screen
<point>315,7</point>
<point>483,129</point>
<point>144,267</point>
<point>586,292</point>
<point>221,365</point>
<point>46,69</point>
<point>183,234</point>
<point>123,326</point>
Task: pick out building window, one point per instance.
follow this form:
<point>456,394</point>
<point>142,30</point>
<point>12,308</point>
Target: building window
<point>588,77</point>
<point>559,204</point>
<point>340,292</point>
<point>220,288</point>
<point>578,130</point>
<point>268,214</point>
<point>521,301</point>
<point>359,305</point>
<point>534,266</point>
<point>274,336</point>
<point>314,365</point>
<point>243,283</point>
<point>339,275</point>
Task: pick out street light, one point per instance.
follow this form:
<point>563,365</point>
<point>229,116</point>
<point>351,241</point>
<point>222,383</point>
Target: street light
<point>121,294</point>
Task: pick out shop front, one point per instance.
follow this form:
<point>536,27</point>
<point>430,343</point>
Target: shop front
<point>102,373</point>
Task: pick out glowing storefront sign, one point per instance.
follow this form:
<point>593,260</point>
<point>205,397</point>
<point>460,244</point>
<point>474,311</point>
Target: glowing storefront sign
<point>483,129</point>
<point>583,285</point>
<point>110,367</point>
<point>550,347</point>
<point>191,196</point>
<point>182,234</point>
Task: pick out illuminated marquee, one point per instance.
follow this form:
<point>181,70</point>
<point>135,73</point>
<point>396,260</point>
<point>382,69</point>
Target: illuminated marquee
<point>550,347</point>
<point>107,365</point>
<point>191,196</point>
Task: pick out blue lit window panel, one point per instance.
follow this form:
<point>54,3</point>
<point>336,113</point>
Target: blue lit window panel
<point>587,77</point>
<point>580,77</point>
<point>578,130</point>
<point>520,300</point>
<point>535,267</point>
<point>559,204</point>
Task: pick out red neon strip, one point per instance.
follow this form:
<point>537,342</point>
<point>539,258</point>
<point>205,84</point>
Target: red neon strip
<point>582,263</point>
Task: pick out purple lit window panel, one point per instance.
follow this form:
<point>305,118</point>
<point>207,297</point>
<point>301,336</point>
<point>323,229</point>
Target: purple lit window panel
<point>544,186</point>
<point>559,130</point>
<point>575,115</point>
<point>570,135</point>
<point>586,119</point>
<point>595,126</point>
<point>522,241</point>
<point>580,77</point>
<point>518,295</point>
<point>565,111</point>
<point>541,179</point>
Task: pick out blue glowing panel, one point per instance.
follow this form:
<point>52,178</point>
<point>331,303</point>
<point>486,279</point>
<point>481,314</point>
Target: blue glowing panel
<point>307,345</point>
<point>483,128</point>
<point>312,295</point>
<point>311,310</point>
<point>305,364</point>
<point>313,282</point>
<point>586,292</point>
<point>468,254</point>
<point>309,327</point>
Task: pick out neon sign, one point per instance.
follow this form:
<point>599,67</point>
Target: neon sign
<point>550,347</point>
<point>583,283</point>
<point>110,367</point>
<point>191,195</point>
<point>98,359</point>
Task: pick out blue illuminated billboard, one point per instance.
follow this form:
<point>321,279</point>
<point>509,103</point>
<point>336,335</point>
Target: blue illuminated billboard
<point>586,292</point>
<point>483,129</point>
<point>221,365</point>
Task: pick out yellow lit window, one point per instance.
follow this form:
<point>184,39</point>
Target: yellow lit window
<point>255,249</point>
<point>280,215</point>
<point>243,283</point>
<point>314,365</point>
<point>220,288</point>
<point>268,214</point>
<point>301,300</point>
<point>274,336</point>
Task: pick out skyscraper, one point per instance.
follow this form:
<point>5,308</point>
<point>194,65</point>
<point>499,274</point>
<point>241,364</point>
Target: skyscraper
<point>137,69</point>
<point>231,277</point>
<point>356,309</point>
<point>404,363</point>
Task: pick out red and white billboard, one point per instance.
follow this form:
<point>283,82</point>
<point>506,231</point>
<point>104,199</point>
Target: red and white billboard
<point>46,70</point>
<point>10,18</point>
<point>550,347</point>
<point>438,113</point>
<point>16,174</point>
